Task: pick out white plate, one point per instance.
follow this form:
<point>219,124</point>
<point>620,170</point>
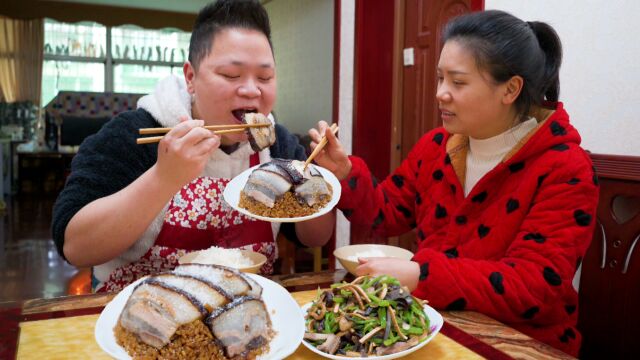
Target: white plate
<point>436,322</point>
<point>286,317</point>
<point>232,196</point>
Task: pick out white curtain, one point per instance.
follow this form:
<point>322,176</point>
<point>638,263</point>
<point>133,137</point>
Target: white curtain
<point>21,55</point>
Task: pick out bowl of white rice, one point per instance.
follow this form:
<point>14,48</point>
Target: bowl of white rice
<point>243,260</point>
<point>348,255</point>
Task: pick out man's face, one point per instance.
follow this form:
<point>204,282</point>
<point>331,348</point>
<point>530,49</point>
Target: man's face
<point>237,76</point>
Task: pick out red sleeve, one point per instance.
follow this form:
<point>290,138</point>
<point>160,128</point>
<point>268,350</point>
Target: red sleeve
<point>539,264</point>
<point>388,206</point>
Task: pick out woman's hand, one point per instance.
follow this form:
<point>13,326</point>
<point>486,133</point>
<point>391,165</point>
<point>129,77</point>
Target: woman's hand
<point>406,271</point>
<point>332,157</point>
<point>184,151</point>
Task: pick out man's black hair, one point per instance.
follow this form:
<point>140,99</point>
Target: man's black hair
<point>224,14</point>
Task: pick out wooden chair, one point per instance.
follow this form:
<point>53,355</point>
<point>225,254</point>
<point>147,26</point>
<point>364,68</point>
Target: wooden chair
<point>609,295</point>
<point>287,252</point>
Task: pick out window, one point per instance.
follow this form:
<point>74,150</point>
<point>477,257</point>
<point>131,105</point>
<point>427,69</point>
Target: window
<point>88,56</point>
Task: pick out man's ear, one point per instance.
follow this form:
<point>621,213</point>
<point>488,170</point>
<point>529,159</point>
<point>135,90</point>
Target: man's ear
<point>189,74</point>
<point>513,89</point>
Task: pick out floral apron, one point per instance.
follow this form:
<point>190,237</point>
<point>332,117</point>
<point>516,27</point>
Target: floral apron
<point>198,218</point>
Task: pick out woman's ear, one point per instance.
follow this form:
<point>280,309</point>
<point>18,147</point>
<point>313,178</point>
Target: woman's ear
<point>513,88</point>
<point>189,73</point>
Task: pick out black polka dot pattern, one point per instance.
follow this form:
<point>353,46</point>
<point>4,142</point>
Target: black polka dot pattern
<point>437,138</point>
<point>582,218</point>
<point>512,205</point>
<point>441,211</point>
<point>405,212</point>
<point>419,163</point>
<point>457,305</point>
<point>537,237</point>
<point>353,182</point>
<point>479,198</point>
<point>557,129</point>
<point>483,231</point>
<point>424,271</point>
<point>551,276</point>
<point>496,282</point>
<point>421,235</point>
<point>461,219</point>
<point>568,334</point>
<point>453,188</point>
<point>437,175</point>
<point>530,312</point>
<point>573,181</point>
<point>347,212</point>
<point>560,147</point>
<point>374,181</point>
<point>398,181</point>
<point>379,219</point>
<point>418,199</point>
<point>570,309</point>
<point>447,159</point>
<point>384,195</point>
<point>451,253</point>
<point>515,167</point>
<point>541,179</point>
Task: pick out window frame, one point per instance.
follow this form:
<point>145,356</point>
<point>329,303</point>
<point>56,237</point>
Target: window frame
<point>108,61</point>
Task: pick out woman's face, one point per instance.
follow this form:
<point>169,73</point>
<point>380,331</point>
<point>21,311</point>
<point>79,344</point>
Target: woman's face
<point>470,102</point>
<point>237,76</point>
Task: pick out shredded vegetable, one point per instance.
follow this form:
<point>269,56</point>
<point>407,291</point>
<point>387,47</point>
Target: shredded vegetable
<point>368,316</point>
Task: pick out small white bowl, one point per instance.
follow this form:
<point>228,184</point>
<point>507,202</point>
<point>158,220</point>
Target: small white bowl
<point>343,254</point>
<point>256,258</point>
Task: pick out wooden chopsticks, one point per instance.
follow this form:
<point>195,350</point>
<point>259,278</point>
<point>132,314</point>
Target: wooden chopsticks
<point>334,129</point>
<point>217,129</point>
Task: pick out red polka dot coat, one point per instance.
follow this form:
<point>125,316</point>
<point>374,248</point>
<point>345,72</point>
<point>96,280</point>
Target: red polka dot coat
<point>510,248</point>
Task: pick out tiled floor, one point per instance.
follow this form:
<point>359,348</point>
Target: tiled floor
<point>30,266</point>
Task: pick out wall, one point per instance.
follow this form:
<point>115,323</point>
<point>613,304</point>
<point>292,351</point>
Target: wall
<point>600,69</point>
<point>302,33</point>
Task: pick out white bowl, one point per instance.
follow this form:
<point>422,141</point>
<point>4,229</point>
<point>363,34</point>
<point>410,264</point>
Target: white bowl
<point>343,254</point>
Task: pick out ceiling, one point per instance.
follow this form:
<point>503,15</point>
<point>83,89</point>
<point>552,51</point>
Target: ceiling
<point>185,6</point>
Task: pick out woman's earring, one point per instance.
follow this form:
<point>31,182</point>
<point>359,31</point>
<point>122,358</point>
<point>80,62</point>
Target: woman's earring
<point>193,98</point>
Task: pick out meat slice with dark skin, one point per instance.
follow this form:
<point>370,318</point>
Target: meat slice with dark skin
<point>240,326</point>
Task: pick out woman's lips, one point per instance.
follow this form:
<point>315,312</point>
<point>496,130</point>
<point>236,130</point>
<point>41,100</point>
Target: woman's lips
<point>446,115</point>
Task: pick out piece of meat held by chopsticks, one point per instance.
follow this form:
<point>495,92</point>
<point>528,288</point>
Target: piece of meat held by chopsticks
<point>260,138</point>
<point>259,129</point>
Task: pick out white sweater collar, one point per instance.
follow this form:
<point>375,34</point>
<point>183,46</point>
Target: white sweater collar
<point>502,143</point>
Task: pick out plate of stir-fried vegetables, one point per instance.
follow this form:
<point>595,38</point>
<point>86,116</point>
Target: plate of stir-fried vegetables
<point>370,317</point>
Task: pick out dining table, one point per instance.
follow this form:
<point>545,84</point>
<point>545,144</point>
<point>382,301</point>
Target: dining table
<point>63,328</point>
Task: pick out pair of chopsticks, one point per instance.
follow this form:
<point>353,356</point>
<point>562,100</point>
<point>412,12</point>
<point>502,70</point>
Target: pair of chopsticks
<point>217,129</point>
<point>334,129</point>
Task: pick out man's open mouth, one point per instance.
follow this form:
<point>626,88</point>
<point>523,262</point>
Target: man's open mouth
<point>239,113</point>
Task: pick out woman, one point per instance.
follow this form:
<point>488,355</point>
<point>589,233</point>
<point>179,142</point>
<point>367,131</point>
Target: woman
<point>129,210</point>
<point>502,197</point>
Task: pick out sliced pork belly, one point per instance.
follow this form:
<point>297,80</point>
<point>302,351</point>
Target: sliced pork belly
<point>261,137</point>
<point>155,310</point>
<point>240,326</point>
<point>313,191</point>
<point>262,194</point>
<point>230,280</point>
<point>209,295</point>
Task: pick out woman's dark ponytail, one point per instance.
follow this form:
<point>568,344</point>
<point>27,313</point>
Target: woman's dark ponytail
<point>552,48</point>
<point>505,46</point>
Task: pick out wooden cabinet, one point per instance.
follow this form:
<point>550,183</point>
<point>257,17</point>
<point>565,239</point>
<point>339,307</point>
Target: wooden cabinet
<point>43,172</point>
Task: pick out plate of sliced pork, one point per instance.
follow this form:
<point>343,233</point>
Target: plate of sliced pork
<point>283,191</point>
<point>201,311</point>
